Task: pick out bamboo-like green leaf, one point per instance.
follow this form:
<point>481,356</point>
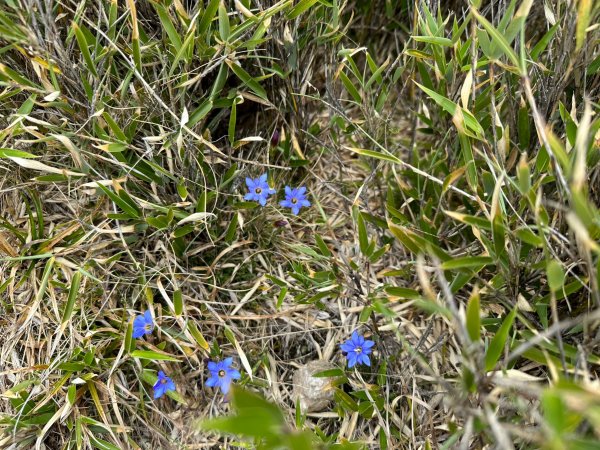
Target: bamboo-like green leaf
<point>73,294</point>
<point>12,153</point>
<point>350,87</point>
<point>152,355</point>
<point>467,262</point>
<point>468,158</point>
<point>401,292</point>
<point>377,155</point>
<point>224,26</point>
<point>539,48</point>
<point>178,302</point>
<point>434,40</point>
<point>208,16</point>
<point>126,206</point>
<point>301,6</point>
<point>165,20</point>
<point>135,36</point>
<point>232,122</point>
<point>494,350</point>
<point>247,80</point>
<point>584,15</point>
<point>83,48</point>
<point>474,316</point>
<point>451,107</point>
<point>556,275</point>
<point>363,238</point>
<point>498,39</point>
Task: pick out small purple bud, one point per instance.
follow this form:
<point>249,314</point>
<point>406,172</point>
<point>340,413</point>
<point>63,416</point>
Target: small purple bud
<point>275,138</point>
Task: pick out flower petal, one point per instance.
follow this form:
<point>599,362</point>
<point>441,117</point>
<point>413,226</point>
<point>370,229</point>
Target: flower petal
<point>159,390</point>
<point>347,346</point>
<point>262,201</point>
<point>365,359</point>
<point>233,373</point>
<point>263,177</point>
<point>212,366</point>
<point>305,203</point>
<point>296,209</point>
<point>170,385</point>
<point>138,332</point>
<point>351,359</point>
<point>225,384</point>
<point>249,183</point>
<point>212,381</point>
<point>368,344</point>
<point>288,190</point>
<point>148,317</point>
<point>301,190</point>
<point>227,362</point>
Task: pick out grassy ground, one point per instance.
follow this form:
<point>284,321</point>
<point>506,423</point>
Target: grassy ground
<point>450,153</point>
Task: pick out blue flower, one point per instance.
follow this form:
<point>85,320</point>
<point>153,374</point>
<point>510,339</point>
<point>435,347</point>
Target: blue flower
<point>221,374</point>
<point>163,385</point>
<point>357,349</point>
<point>295,199</point>
<point>143,324</point>
<point>258,189</point>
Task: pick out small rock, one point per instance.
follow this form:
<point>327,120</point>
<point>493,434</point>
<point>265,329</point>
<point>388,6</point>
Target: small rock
<point>314,393</point>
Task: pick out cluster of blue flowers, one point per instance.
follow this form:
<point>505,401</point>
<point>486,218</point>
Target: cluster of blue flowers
<point>259,191</point>
<point>356,349</point>
<point>221,373</point>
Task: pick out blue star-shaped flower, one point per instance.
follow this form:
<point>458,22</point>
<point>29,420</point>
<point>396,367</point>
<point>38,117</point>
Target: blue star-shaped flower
<point>295,199</point>
<point>143,324</point>
<point>221,374</point>
<point>357,349</point>
<point>163,385</point>
<point>258,189</point>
